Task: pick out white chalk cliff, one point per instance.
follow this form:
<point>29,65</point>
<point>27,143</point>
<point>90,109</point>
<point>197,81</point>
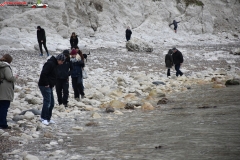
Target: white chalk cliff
<point>102,23</point>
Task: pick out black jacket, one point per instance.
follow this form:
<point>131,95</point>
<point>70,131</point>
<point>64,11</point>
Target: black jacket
<point>177,57</point>
<point>64,71</point>
<point>74,41</point>
<point>169,59</point>
<point>174,23</point>
<point>41,35</point>
<point>48,74</point>
<point>128,33</point>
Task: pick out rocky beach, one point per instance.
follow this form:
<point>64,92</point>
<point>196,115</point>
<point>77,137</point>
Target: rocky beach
<point>132,110</point>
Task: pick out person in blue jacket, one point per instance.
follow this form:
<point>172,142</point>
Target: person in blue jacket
<point>175,24</point>
<point>76,75</point>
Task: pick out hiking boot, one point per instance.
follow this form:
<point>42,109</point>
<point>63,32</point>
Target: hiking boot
<point>83,96</point>
<point>47,54</point>
<point>41,54</point>
<point>8,127</point>
<point>77,99</point>
<point>65,105</point>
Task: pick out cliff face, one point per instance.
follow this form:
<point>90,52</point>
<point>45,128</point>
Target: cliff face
<point>101,21</point>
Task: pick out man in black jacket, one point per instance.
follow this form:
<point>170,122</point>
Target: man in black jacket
<point>46,83</point>
<point>128,33</point>
<point>175,24</point>
<point>177,60</point>
<point>62,85</point>
<point>41,40</point>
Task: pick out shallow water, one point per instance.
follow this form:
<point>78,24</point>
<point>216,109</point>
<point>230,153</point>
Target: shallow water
<point>181,129</point>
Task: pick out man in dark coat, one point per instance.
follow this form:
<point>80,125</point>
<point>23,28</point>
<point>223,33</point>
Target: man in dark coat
<point>46,83</point>
<point>169,61</point>
<point>128,33</point>
<point>177,60</point>
<point>175,24</point>
<point>62,85</point>
<point>41,40</point>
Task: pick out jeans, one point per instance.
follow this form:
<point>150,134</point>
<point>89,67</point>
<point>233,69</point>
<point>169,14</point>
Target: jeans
<point>62,87</point>
<point>4,105</point>
<point>48,102</point>
<point>44,45</point>
<point>77,87</point>
<point>177,68</point>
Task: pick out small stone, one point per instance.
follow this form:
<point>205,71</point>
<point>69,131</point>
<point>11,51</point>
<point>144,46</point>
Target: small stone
<point>109,109</point>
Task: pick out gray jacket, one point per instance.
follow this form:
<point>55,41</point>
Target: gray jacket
<point>7,82</point>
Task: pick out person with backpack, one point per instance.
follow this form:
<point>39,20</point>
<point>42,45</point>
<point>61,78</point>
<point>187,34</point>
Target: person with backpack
<point>177,61</point>
<point>62,84</point>
<point>76,75</point>
<point>41,37</point>
<point>175,24</point>
<point>169,61</point>
<point>46,83</point>
<point>6,89</point>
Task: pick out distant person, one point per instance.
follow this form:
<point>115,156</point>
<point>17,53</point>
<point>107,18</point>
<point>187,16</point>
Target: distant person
<point>41,36</point>
<point>46,83</point>
<point>73,40</point>
<point>6,89</point>
<point>128,33</point>
<point>177,61</point>
<point>76,75</point>
<point>62,84</point>
<point>175,24</point>
<point>169,61</point>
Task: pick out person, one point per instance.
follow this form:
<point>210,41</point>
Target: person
<point>73,40</point>
<point>175,24</point>
<point>62,84</point>
<point>169,61</point>
<point>41,36</point>
<point>177,61</point>
<point>6,89</point>
<point>76,75</point>
<point>79,52</point>
<point>128,33</point>
<point>46,83</point>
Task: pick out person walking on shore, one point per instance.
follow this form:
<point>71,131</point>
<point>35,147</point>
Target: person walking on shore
<point>175,24</point>
<point>73,40</point>
<point>6,89</point>
<point>41,37</point>
<point>177,61</point>
<point>128,33</point>
<point>169,61</point>
<point>62,85</point>
<point>46,83</point>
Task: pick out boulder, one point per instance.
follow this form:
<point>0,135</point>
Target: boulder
<point>147,106</point>
<point>232,82</point>
<point>138,45</point>
<point>117,104</point>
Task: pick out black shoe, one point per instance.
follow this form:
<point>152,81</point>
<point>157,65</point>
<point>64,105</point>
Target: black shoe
<point>8,127</point>
<point>65,105</point>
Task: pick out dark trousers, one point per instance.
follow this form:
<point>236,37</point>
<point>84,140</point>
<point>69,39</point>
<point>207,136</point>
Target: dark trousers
<point>48,102</point>
<point>62,87</point>
<point>77,87</point>
<point>168,72</point>
<point>128,38</point>
<point>177,68</point>
<point>44,45</point>
<point>4,105</point>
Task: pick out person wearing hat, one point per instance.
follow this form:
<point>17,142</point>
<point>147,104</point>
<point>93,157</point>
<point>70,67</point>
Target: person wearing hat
<point>41,37</point>
<point>62,85</point>
<point>6,89</point>
<point>177,61</point>
<point>76,75</point>
<point>46,83</point>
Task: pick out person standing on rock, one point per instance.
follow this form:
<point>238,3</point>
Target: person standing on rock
<point>62,85</point>
<point>177,61</point>
<point>41,36</point>
<point>175,24</point>
<point>73,40</point>
<point>169,61</point>
<point>46,83</point>
<point>76,75</point>
<point>6,89</point>
<point>128,33</point>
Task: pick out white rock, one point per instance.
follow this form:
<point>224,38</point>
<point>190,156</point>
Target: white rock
<point>30,157</point>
